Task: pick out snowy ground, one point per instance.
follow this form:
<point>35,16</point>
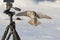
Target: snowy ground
<point>47,30</point>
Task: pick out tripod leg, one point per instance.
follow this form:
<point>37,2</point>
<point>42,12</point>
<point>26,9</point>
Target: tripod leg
<point>16,36</point>
<point>9,35</point>
<point>5,33</point>
<point>13,37</point>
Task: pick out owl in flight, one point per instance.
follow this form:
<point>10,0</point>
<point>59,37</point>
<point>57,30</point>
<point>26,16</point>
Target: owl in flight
<point>34,17</point>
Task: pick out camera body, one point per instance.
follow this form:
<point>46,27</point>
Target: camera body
<point>8,0</point>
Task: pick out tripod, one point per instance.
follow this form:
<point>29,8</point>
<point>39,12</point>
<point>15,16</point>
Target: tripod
<point>11,26</point>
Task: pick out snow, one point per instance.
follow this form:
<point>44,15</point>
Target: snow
<point>48,30</point>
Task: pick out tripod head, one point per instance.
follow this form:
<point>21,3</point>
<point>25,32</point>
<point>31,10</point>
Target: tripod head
<point>9,12</point>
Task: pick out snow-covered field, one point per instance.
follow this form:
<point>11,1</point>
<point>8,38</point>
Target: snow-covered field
<point>47,30</point>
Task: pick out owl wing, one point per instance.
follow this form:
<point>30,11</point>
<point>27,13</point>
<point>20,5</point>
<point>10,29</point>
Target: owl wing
<point>29,14</point>
<point>22,13</point>
<point>43,16</point>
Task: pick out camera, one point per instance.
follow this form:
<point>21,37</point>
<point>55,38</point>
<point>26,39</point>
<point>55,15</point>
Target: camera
<point>8,0</point>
